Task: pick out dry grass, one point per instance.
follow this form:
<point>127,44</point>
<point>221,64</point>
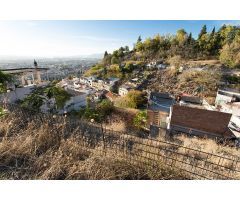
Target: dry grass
<point>31,148</point>
<point>208,145</point>
<point>54,148</point>
<point>204,62</point>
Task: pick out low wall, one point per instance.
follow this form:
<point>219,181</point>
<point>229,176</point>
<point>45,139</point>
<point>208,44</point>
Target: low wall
<point>17,94</point>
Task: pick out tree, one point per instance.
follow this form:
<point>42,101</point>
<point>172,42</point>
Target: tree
<point>114,60</point>
<point>189,39</point>
<point>59,94</point>
<point>213,32</point>
<point>139,39</point>
<point>230,53</point>
<point>133,99</point>
<point>104,108</point>
<point>214,43</point>
<point>105,54</point>
<point>100,111</point>
<point>106,59</point>
<point>40,95</point>
<point>33,102</point>
<point>202,32</point>
<point>138,46</point>
<point>181,36</point>
<point>128,67</point>
<point>4,80</point>
<point>203,43</point>
<point>140,119</point>
<point>120,52</point>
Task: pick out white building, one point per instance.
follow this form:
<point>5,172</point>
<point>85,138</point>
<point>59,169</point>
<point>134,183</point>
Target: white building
<point>124,89</point>
<point>227,96</point>
<point>161,66</point>
<point>76,101</point>
<point>228,101</point>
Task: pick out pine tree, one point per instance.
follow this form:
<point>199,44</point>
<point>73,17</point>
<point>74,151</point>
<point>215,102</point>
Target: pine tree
<point>202,32</point>
<point>105,54</point>
<point>139,39</point>
<point>212,33</point>
<point>126,48</point>
<point>189,39</point>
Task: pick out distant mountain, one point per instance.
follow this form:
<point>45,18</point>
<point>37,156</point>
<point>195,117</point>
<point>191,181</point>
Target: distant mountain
<point>90,56</point>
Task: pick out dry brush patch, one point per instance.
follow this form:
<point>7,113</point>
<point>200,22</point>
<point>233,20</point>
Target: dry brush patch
<point>41,149</point>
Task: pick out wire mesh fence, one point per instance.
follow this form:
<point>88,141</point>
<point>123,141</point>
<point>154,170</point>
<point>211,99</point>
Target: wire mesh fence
<point>197,164</point>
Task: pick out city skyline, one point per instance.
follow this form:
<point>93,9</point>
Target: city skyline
<point>74,38</point>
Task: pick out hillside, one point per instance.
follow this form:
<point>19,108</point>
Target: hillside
<point>198,66</point>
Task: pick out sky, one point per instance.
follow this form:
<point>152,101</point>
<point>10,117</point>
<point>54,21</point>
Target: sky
<point>74,38</point>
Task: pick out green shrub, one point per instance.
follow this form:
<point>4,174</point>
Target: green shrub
<point>134,99</point>
<point>140,119</point>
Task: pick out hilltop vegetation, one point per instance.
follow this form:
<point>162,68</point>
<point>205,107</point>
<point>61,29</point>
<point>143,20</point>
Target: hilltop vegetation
<point>213,51</point>
<point>223,45</point>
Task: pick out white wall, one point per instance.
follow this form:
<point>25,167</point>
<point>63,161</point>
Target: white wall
<point>76,102</point>
<point>222,99</point>
<point>122,91</point>
<point>18,94</point>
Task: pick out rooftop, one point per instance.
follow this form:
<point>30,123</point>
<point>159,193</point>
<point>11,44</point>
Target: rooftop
<point>127,86</point>
<point>23,70</point>
<point>160,95</point>
<point>161,101</point>
<point>111,95</point>
<point>191,99</point>
<point>230,90</point>
<point>74,92</point>
<point>203,120</point>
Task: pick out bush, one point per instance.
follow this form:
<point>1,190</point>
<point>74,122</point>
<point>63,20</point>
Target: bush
<point>35,100</point>
<point>140,119</point>
<point>137,97</point>
<point>100,111</point>
<point>1,112</point>
<point>233,79</point>
<point>4,78</point>
<point>134,99</point>
<point>105,107</point>
<point>94,70</point>
<point>176,61</point>
<point>230,53</point>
